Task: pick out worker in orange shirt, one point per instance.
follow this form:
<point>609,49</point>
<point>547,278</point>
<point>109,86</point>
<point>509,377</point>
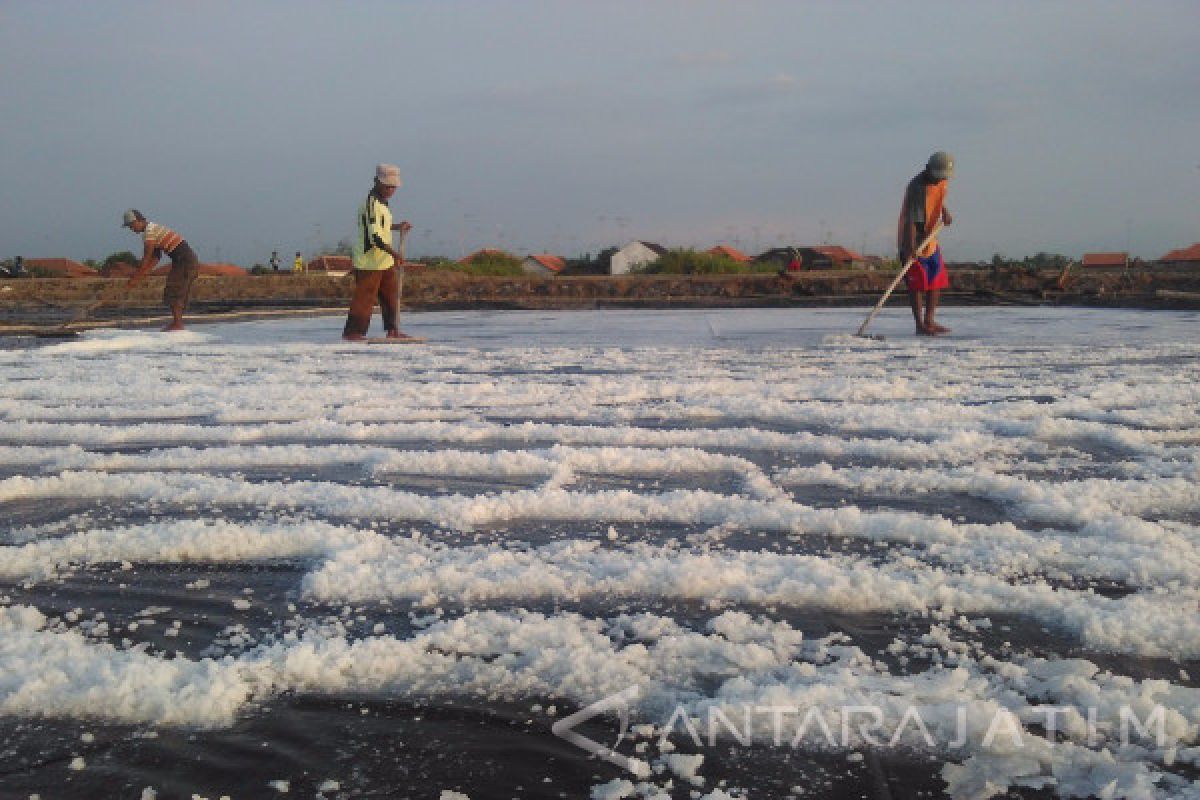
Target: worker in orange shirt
<point>924,206</point>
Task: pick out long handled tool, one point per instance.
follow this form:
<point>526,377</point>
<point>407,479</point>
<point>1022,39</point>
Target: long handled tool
<point>400,272</point>
<point>399,295</point>
<point>81,314</point>
<point>862,329</point>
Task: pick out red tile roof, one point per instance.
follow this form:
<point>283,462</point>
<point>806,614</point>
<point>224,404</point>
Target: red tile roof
<point>1105,259</point>
<point>61,267</point>
<point>730,252</point>
<point>1184,254</point>
<point>552,263</point>
<point>838,253</point>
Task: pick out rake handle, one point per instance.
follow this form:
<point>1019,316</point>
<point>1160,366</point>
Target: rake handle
<point>903,271</point>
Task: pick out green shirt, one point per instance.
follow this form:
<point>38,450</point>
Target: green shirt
<point>374,231</point>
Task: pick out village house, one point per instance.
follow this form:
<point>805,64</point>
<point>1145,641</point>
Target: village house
<point>816,257</point>
<point>730,252</point>
<point>633,255</point>
<point>1183,257</point>
<point>1105,260</point>
<point>840,257</point>
<point>543,264</point>
<point>778,257</point>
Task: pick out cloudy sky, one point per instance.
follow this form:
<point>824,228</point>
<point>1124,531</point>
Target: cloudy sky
<point>569,125</point>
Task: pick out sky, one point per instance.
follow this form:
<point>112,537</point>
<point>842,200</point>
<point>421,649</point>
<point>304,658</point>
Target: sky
<point>571,125</point>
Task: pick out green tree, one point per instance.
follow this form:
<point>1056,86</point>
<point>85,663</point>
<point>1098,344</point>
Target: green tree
<point>682,261</point>
<point>119,257</point>
<point>481,264</point>
<point>494,263</point>
<point>587,264</point>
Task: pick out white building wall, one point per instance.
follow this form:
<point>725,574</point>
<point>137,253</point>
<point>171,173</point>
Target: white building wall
<point>634,254</point>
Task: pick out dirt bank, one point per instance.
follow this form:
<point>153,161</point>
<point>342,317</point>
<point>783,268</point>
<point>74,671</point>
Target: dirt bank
<point>47,301</point>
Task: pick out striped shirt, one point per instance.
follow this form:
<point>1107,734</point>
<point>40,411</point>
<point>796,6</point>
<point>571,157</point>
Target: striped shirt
<point>161,237</point>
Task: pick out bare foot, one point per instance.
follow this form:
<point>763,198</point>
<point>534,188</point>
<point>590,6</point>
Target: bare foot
<point>174,326</point>
<point>353,337</point>
<point>398,335</point>
<point>923,331</point>
<point>938,329</point>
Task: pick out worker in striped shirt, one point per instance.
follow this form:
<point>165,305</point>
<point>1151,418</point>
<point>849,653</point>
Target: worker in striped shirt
<point>185,267</point>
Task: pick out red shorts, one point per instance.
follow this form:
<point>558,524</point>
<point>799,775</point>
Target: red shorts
<point>928,274</point>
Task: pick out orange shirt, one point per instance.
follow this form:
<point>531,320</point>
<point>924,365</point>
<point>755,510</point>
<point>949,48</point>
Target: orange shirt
<point>922,209</point>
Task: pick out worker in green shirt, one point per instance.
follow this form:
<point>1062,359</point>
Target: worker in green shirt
<point>377,266</point>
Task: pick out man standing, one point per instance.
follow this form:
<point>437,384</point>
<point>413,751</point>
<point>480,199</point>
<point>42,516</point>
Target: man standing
<point>376,265</point>
<point>298,263</point>
<point>924,206</point>
<point>275,261</point>
<point>185,266</point>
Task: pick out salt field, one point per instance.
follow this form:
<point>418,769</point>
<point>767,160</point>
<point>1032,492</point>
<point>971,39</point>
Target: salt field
<point>253,560</point>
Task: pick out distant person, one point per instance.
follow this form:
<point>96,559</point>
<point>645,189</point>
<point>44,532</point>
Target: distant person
<point>791,266</point>
<point>18,267</point>
<point>185,267</point>
<point>298,263</point>
<point>376,264</point>
<point>275,261</point>
<point>924,205</point>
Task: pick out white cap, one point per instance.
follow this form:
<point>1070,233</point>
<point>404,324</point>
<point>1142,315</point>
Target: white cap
<point>388,174</point>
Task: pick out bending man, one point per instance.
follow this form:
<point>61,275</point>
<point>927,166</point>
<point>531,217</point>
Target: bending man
<point>185,266</point>
<point>376,265</point>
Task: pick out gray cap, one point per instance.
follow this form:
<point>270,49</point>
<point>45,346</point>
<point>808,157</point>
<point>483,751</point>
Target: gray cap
<point>131,216</point>
<point>941,165</point>
<point>388,174</point>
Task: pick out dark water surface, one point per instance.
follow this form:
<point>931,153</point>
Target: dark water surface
<point>395,745</point>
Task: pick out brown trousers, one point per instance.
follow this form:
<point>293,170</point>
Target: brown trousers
<point>185,267</point>
<point>371,285</point>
